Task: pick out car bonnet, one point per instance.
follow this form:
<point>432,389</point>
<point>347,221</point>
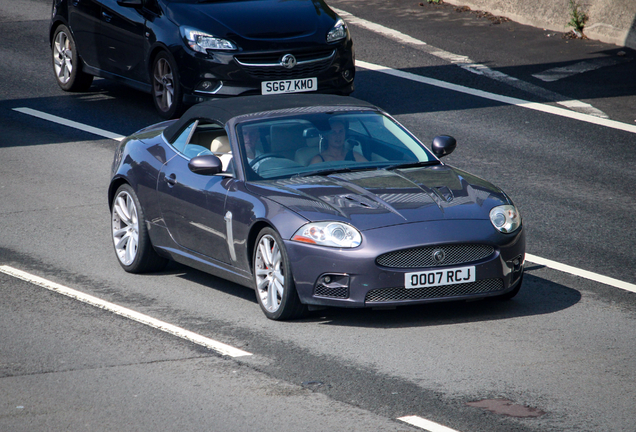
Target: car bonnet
<point>255,19</point>
<point>378,198</point>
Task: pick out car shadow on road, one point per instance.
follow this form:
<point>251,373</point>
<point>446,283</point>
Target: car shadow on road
<point>107,105</point>
<point>604,83</point>
<point>117,108</point>
<point>538,296</point>
<point>199,277</point>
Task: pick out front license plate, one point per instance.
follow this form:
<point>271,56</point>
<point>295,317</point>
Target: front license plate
<point>439,277</point>
<point>289,86</point>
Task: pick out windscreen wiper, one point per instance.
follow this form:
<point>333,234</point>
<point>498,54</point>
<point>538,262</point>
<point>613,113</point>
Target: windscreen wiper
<point>412,164</point>
<point>326,172</point>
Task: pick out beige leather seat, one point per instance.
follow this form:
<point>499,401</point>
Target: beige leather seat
<point>221,147</point>
<point>306,154</point>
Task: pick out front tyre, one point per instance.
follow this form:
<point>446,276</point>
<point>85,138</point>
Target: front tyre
<point>130,235</point>
<point>166,90</point>
<point>66,62</point>
<point>275,289</point>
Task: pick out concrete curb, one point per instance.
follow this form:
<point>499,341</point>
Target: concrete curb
<point>610,21</point>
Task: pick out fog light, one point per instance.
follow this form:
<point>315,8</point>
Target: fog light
<point>209,86</point>
<point>516,263</point>
<point>346,74</point>
<point>332,285</point>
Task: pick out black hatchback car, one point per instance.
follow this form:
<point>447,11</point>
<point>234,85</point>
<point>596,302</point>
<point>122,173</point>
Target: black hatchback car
<point>187,51</point>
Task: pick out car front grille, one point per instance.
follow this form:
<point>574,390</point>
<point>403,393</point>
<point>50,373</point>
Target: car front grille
<point>333,292</point>
<point>444,291</point>
<point>267,67</point>
<point>424,256</point>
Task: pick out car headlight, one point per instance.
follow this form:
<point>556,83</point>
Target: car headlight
<point>505,218</point>
<point>334,234</point>
<point>201,42</point>
<point>339,31</point>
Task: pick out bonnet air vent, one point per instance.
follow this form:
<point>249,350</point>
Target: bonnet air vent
<point>360,201</point>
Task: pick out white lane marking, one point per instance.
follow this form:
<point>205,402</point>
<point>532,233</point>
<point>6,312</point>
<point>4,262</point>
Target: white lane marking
<point>125,312</point>
<point>427,425</point>
<point>469,65</point>
<point>70,123</point>
<point>499,98</point>
<point>558,73</point>
<point>582,273</point>
<point>378,28</point>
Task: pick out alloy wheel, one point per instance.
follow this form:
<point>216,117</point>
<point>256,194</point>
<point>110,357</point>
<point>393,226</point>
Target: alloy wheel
<point>63,58</point>
<point>163,84</point>
<point>270,273</point>
<point>125,224</point>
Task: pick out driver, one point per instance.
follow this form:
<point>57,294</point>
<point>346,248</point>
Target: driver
<point>252,141</point>
<point>336,145</point>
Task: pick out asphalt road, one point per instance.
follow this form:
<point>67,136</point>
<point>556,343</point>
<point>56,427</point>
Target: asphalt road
<point>562,352</point>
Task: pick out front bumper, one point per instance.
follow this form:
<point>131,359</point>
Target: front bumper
<point>353,278</point>
<point>230,74</point>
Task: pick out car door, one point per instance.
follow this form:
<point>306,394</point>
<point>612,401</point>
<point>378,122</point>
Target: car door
<point>84,18</point>
<point>121,40</point>
<point>193,205</point>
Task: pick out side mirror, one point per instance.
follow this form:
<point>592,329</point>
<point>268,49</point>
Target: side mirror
<point>443,145</point>
<point>205,165</point>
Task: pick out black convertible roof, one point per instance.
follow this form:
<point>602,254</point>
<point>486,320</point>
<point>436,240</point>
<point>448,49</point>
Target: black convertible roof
<point>222,110</point>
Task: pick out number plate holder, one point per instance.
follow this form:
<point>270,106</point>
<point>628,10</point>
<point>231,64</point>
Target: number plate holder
<point>289,86</point>
<point>439,277</point>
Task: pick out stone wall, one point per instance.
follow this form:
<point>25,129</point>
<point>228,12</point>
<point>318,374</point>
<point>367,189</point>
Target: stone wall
<point>611,21</point>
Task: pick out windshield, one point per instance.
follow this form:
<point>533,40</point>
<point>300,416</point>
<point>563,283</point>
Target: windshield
<point>323,143</point>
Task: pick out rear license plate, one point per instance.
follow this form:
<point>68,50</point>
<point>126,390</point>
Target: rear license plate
<point>439,277</point>
<point>289,86</point>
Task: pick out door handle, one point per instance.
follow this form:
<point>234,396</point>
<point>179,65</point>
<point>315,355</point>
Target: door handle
<point>171,179</point>
<point>107,17</point>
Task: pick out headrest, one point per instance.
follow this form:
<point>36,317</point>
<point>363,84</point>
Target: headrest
<point>221,144</point>
<point>287,137</point>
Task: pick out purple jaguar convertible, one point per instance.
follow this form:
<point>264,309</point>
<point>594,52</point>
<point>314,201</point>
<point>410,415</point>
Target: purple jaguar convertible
<point>312,200</point>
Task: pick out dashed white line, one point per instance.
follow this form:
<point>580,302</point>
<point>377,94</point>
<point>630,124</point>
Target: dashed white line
<point>70,123</point>
<point>378,28</point>
<point>219,347</point>
<point>499,98</point>
<point>469,65</point>
<point>558,73</point>
<point>427,425</point>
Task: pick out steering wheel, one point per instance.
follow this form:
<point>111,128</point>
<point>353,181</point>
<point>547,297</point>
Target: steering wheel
<point>264,156</point>
<point>352,142</point>
<point>363,146</point>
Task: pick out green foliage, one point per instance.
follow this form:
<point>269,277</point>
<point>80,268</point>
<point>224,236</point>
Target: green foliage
<point>578,17</point>
<point>434,1</point>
